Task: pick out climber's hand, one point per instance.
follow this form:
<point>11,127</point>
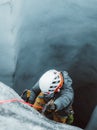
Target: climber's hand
<point>51,107</point>
<point>25,95</point>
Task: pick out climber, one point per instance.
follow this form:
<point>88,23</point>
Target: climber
<point>55,94</point>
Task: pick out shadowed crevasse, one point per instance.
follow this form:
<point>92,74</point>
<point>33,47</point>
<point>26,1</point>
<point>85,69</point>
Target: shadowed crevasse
<point>84,73</point>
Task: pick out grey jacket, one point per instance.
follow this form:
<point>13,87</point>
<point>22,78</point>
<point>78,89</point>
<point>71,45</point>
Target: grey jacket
<point>62,99</point>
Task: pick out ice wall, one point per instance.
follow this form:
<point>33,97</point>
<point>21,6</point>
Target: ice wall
<point>9,25</point>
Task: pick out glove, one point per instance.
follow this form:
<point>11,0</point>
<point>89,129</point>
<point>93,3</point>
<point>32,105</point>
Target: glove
<point>51,107</point>
<point>25,95</point>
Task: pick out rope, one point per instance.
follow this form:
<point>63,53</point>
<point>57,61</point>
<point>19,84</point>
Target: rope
<point>21,101</point>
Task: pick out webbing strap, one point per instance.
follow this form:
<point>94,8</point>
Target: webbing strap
<point>21,101</point>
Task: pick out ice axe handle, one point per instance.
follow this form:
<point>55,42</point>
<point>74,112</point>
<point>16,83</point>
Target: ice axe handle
<point>46,105</point>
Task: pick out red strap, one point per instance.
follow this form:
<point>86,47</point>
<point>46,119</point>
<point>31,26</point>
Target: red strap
<point>21,101</point>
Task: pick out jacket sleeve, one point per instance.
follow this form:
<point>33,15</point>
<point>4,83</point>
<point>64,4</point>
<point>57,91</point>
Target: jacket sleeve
<point>66,94</point>
<point>35,90</point>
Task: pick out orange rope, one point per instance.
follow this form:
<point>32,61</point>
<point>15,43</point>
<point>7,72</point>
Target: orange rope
<point>21,101</point>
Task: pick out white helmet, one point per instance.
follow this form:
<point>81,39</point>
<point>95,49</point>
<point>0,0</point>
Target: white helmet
<point>51,82</point>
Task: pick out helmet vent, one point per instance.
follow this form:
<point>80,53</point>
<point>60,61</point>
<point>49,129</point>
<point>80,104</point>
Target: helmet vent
<point>51,90</point>
<point>55,72</point>
<point>52,86</point>
<point>57,77</point>
<point>58,81</point>
<point>54,82</point>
